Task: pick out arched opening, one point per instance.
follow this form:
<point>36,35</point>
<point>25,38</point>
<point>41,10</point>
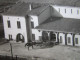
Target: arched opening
<point>19,37</point>
<point>52,36</point>
<point>45,36</point>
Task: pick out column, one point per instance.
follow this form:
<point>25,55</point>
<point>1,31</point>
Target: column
<point>73,42</point>
<point>57,37</point>
<point>65,38</point>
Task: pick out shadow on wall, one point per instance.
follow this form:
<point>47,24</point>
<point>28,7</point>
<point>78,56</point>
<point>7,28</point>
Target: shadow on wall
<point>55,13</point>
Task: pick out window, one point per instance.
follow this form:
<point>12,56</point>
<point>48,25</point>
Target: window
<point>71,11</point>
<point>65,10</point>
<point>69,40</point>
<point>33,36</point>
<point>77,11</point>
<point>76,40</point>
<point>60,39</point>
<point>18,24</point>
<point>59,9</point>
<point>9,25</point>
<point>32,24</point>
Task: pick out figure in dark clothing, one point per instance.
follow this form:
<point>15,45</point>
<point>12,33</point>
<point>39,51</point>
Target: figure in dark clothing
<point>29,44</point>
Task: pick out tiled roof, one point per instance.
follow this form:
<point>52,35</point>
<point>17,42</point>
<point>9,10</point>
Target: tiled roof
<point>19,9</point>
<point>61,25</point>
<point>56,2</point>
<point>38,11</point>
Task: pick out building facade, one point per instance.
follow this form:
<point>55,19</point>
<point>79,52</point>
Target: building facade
<point>48,23</point>
<point>65,36</point>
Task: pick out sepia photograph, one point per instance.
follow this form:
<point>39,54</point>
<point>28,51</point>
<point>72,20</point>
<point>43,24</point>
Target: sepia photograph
<point>39,29</point>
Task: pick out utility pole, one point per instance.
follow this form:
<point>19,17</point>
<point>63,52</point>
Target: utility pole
<point>11,51</point>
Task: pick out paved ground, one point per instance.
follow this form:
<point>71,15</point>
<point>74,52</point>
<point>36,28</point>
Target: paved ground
<point>57,52</point>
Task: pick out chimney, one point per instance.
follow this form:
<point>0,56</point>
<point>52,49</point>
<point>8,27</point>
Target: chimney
<point>30,7</point>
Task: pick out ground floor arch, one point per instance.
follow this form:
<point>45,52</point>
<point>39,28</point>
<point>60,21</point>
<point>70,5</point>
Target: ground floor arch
<point>19,37</point>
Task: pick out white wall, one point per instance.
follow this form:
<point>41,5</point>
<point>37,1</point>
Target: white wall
<point>44,15</point>
<point>14,30</point>
<point>77,36</point>
<point>68,13</point>
<point>37,33</point>
<point>63,38</point>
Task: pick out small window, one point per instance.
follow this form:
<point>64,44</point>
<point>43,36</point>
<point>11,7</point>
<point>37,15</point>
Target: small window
<point>18,24</point>
<point>71,11</point>
<point>32,24</point>
<point>59,9</point>
<point>77,11</point>
<point>69,40</point>
<point>9,24</point>
<point>65,10</point>
<point>60,39</point>
<point>76,40</point>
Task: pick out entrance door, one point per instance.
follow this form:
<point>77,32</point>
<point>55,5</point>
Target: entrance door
<point>19,37</point>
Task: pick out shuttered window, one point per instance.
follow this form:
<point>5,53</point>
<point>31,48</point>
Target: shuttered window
<point>32,24</point>
<point>9,24</point>
<point>18,24</point>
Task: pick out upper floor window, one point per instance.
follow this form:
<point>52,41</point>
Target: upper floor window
<point>32,24</point>
<point>71,11</point>
<point>9,24</point>
<point>65,10</point>
<point>18,24</point>
<point>77,11</point>
<point>59,9</point>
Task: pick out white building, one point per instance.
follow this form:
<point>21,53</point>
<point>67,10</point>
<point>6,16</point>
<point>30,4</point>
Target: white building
<point>59,23</point>
<point>15,22</point>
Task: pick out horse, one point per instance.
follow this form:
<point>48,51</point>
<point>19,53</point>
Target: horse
<point>29,44</point>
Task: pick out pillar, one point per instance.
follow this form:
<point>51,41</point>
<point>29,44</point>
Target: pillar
<point>57,37</point>
<point>73,42</point>
<point>65,38</point>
